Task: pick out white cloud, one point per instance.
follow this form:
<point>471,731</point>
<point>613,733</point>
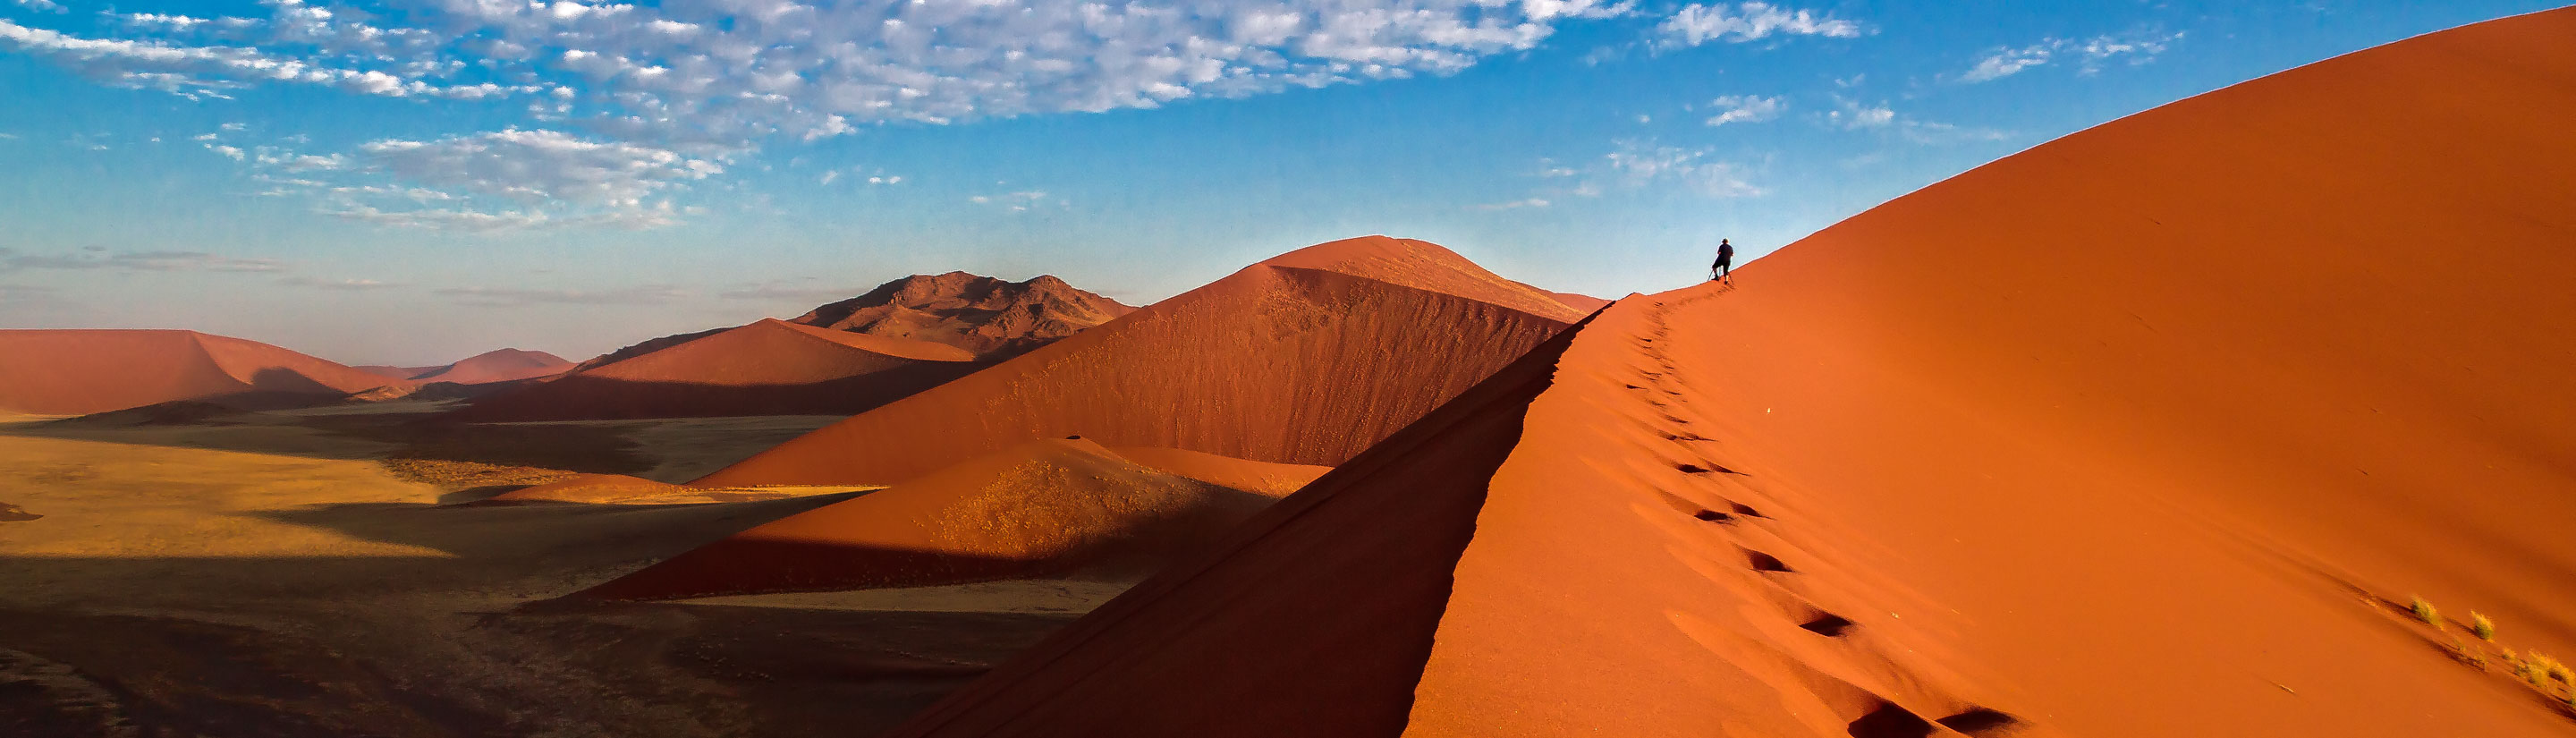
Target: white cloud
<point>200,70</point>
<point>663,93</point>
<point>2008,62</point>
<point>1856,116</point>
<point>1697,24</point>
<point>141,261</point>
<point>1746,109</point>
<point>48,6</point>
<point>536,166</point>
<point>2138,47</point>
<point>1641,163</point>
<point>1534,202</point>
<point>1015,201</point>
<point>830,175</point>
<point>1852,115</point>
<point>474,221</point>
<point>739,70</point>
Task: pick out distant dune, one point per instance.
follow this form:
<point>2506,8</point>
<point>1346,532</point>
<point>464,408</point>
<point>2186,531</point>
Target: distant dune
<point>1043,508</point>
<point>1303,359</point>
<point>905,336</point>
<point>503,365</point>
<point>771,367</point>
<point>987,316</point>
<point>76,372</point>
<point>2148,431</point>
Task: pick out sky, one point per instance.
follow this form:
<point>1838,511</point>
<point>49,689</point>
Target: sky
<point>414,181</point>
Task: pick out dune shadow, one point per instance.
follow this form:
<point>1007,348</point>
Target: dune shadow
<point>491,531</point>
<point>601,669</point>
<point>592,397</point>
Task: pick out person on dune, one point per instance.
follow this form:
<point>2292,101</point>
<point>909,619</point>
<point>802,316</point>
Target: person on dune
<point>1725,261</point>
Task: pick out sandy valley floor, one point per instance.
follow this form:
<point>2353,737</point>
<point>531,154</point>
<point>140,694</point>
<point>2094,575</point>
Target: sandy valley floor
<point>296,574</point>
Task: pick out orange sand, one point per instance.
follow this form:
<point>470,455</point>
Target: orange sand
<point>1049,507</point>
<point>504,365</point>
<point>75,372</point>
<point>1303,359</point>
<point>2132,434</point>
<point>986,316</point>
<point>770,367</point>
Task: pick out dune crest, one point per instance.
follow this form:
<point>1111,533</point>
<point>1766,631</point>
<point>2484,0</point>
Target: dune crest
<point>2143,432</point>
<point>772,367</point>
<point>1303,359</point>
<point>1049,507</point>
<point>501,365</point>
<point>78,372</point>
<point>846,357</point>
<point>988,317</point>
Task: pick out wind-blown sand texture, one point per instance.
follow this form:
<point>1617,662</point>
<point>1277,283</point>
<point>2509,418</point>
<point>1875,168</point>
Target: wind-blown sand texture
<point>2137,433</point>
<point>77,372</point>
<point>772,367</point>
<point>1303,359</point>
<point>1044,508</point>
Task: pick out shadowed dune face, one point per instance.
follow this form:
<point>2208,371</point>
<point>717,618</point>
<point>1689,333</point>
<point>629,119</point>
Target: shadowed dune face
<point>1304,359</point>
<point>2133,434</point>
<point>77,372</point>
<point>1050,507</point>
<point>770,367</point>
<point>1313,618</point>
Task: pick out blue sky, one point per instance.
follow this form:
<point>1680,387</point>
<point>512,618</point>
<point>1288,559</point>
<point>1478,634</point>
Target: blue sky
<point>412,181</point>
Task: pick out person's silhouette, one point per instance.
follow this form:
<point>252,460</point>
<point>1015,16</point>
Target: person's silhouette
<point>1725,262</point>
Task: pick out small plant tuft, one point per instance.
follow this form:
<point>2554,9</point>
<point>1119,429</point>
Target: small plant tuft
<point>2479,624</point>
<point>2540,668</point>
<point>2424,611</point>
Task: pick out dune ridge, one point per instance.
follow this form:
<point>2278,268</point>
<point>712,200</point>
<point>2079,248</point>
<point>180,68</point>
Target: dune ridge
<point>766,368</point>
<point>1051,507</point>
<point>1302,359</point>
<point>78,372</point>
<point>989,317</point>
<point>499,365</point>
<point>2142,432</point>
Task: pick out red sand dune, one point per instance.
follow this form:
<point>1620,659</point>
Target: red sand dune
<point>504,365</point>
<point>2132,434</point>
<point>1303,359</point>
<point>766,368</point>
<point>942,326</point>
<point>1049,507</point>
<point>74,372</point>
<point>990,317</point>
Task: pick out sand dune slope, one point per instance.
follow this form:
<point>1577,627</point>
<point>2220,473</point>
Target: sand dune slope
<point>1303,359</point>
<point>2134,434</point>
<point>1047,507</point>
<point>501,365</point>
<point>987,316</point>
<point>765,368</point>
<point>71,372</point>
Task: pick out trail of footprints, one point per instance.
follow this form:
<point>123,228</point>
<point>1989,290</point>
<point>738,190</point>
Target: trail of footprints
<point>1661,390</point>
